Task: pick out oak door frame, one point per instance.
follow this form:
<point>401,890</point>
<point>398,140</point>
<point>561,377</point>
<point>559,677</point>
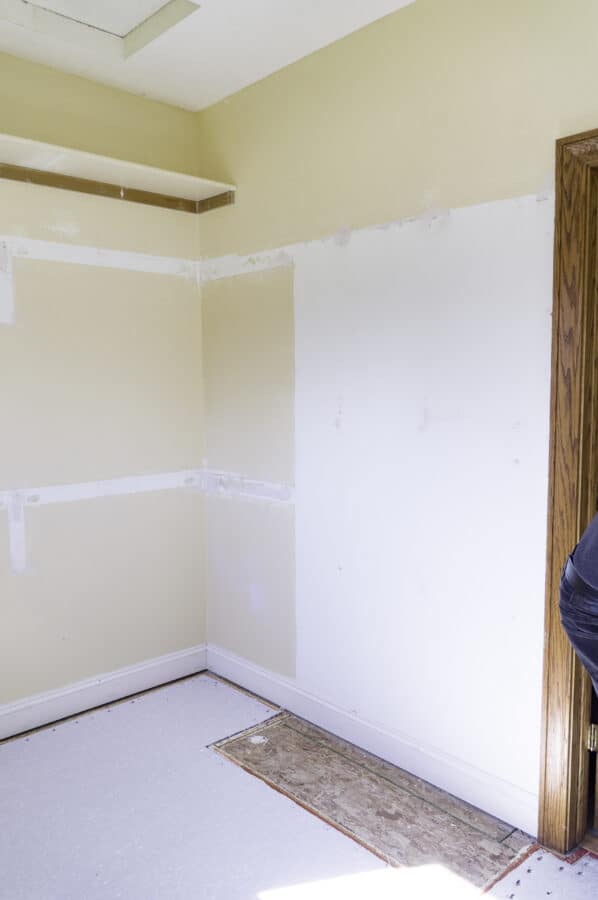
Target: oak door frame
<point>573,484</point>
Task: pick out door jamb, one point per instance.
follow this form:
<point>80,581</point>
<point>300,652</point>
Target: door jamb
<point>573,483</point>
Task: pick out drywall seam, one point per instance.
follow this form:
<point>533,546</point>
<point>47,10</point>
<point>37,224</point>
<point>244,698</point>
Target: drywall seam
<point>503,799</point>
<point>50,706</point>
<point>233,265</point>
<point>7,304</point>
<point>202,480</point>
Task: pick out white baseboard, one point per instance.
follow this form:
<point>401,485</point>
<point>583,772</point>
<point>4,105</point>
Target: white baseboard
<point>39,709</point>
<point>500,798</point>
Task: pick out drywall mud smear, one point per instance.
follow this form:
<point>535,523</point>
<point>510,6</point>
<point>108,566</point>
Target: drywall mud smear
<point>101,375</point>
<point>248,340</point>
<point>250,579</point>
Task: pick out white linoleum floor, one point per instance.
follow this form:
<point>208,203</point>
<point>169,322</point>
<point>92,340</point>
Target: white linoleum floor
<point>129,802</point>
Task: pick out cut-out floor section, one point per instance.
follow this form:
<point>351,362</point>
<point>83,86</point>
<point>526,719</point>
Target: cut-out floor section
<point>403,819</point>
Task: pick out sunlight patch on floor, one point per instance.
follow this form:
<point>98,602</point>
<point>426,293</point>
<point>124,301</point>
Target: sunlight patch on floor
<point>421,883</point>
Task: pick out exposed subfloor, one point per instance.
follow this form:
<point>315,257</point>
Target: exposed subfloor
<point>405,820</point>
<point>138,800</point>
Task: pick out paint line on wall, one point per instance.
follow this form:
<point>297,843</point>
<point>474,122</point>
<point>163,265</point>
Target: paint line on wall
<point>205,481</point>
<point>7,305</point>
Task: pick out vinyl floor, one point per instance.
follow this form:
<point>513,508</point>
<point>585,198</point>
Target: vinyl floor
<point>169,796</point>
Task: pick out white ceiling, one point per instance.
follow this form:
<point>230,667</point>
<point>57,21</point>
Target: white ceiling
<point>114,16</point>
<point>216,50</point>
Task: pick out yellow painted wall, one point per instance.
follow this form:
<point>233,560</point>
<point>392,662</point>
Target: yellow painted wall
<point>249,375</point>
<point>100,377</point>
<point>66,217</point>
<point>112,581</point>
<point>438,105</point>
<point>250,580</point>
<point>249,370</point>
<point>43,104</point>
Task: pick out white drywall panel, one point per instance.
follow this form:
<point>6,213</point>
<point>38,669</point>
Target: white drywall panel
<point>422,393</point>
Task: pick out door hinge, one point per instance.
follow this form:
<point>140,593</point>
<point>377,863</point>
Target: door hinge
<point>593,739</point>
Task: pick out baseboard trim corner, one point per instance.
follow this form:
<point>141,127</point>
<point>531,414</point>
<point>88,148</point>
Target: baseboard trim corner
<point>50,706</point>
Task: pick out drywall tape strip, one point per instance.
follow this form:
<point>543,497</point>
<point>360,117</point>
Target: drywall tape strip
<point>49,251</point>
<point>236,485</point>
<point>16,533</point>
<point>7,304</point>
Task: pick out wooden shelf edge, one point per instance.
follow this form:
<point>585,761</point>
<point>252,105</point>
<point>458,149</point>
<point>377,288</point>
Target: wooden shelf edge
<point>33,162</point>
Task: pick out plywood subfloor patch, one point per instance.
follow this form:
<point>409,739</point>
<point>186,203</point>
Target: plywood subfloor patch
<point>129,801</point>
<point>401,818</point>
